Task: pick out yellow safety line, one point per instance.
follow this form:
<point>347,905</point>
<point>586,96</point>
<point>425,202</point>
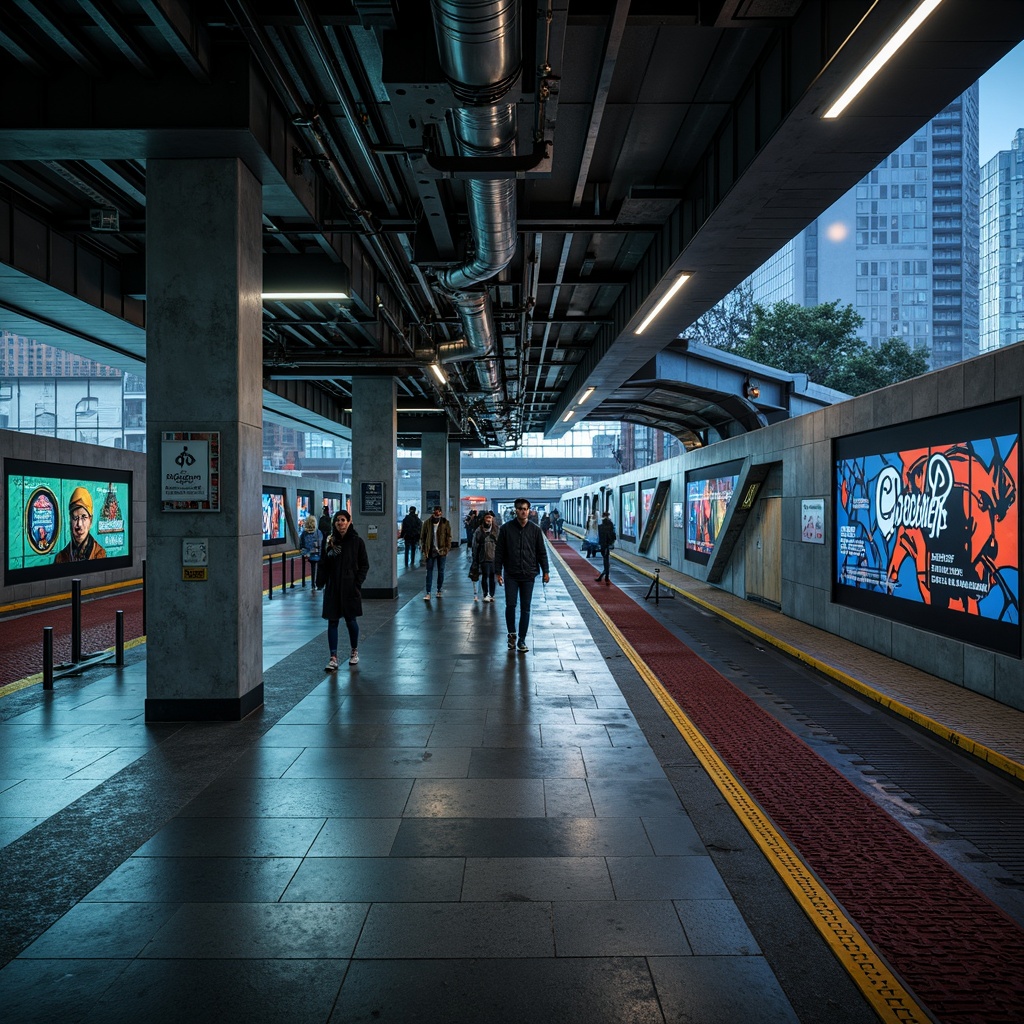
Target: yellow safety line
<point>37,602</point>
<point>21,684</point>
<point>869,971</point>
<point>944,732</point>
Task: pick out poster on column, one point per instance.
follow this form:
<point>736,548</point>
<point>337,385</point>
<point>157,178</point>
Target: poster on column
<point>927,524</point>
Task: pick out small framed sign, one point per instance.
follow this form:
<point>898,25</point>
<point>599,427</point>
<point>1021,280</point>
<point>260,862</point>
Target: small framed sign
<point>371,497</point>
<point>190,471</point>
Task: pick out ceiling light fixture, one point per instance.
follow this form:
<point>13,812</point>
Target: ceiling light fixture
<point>880,59</point>
<point>438,373</point>
<point>663,302</point>
<point>568,416</point>
<point>310,296</point>
<point>586,395</point>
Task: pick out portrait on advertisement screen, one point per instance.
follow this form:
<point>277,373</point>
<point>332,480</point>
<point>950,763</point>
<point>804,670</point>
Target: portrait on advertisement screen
<point>63,520</point>
<point>930,526</point>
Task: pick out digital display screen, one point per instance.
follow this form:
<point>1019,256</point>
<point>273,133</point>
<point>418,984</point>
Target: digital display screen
<point>274,524</point>
<point>708,494</point>
<point>627,511</point>
<point>303,508</point>
<point>927,527</point>
<point>65,520</point>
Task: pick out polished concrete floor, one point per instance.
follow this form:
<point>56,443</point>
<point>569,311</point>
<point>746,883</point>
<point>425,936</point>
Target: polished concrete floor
<point>448,831</point>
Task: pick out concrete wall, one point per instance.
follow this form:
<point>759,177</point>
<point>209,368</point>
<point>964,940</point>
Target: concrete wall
<point>36,448</point>
<point>799,452</point>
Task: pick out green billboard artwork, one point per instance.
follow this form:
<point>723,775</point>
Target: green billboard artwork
<point>64,520</point>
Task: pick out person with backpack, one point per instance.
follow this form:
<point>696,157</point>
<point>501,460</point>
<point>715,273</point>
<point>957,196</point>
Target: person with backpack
<point>311,544</point>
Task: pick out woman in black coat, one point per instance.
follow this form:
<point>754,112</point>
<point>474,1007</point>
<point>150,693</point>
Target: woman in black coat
<point>345,569</point>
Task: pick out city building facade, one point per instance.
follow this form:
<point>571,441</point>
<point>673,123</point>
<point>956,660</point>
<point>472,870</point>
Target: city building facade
<point>901,247</point>
<point>1002,248</point>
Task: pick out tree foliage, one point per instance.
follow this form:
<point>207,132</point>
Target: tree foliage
<point>820,341</point>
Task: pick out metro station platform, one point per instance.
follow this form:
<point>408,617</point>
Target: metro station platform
<point>605,828</point>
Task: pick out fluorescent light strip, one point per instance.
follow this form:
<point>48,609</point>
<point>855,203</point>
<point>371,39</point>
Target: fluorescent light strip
<point>903,33</point>
<point>663,302</point>
<point>586,395</point>
<point>439,373</point>
<point>310,296</point>
<point>568,416</point>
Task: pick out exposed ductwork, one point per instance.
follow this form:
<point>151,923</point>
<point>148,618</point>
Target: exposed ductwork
<point>480,51</point>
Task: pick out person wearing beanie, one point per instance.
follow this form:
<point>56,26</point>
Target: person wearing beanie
<point>83,546</point>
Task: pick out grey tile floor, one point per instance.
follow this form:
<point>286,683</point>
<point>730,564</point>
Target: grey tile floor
<point>447,832</point>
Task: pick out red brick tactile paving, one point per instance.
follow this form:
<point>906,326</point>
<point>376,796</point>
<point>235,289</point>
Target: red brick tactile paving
<point>971,714</point>
<point>21,636</point>
<point>958,952</point>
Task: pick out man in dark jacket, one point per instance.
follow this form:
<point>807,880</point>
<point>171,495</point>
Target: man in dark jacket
<point>411,527</point>
<point>519,555</point>
<point>606,541</point>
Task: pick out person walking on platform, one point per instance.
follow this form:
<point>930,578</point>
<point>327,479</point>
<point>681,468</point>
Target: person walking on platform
<point>346,569</point>
<point>591,542</point>
<point>519,555</point>
<point>324,526</point>
<point>311,544</point>
<point>435,543</point>
<point>411,527</point>
<point>556,524</point>
<point>484,541</point>
<point>606,537</point>
<point>471,522</point>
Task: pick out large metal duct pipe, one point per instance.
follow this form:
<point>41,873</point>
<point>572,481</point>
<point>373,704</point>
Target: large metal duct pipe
<point>480,50</point>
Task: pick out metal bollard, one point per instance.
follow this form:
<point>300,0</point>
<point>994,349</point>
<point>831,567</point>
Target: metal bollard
<point>47,657</point>
<point>144,598</point>
<point>119,639</point>
<point>284,573</point>
<point>76,621</point>
<point>291,571</point>
<point>303,572</point>
<point>270,570</point>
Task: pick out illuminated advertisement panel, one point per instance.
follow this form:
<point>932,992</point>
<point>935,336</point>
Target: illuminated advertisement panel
<point>627,511</point>
<point>303,508</point>
<point>274,524</point>
<point>65,520</point>
<point>927,529</point>
<point>708,493</point>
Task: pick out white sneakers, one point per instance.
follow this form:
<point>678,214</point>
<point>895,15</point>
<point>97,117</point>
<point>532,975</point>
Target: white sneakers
<point>332,665</point>
<point>426,597</point>
<point>354,660</point>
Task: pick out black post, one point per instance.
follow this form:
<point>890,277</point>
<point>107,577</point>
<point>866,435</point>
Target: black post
<point>270,570</point>
<point>291,571</point>
<point>47,657</point>
<point>119,639</point>
<point>144,633</point>
<point>76,621</point>
<point>284,573</point>
<point>303,572</point>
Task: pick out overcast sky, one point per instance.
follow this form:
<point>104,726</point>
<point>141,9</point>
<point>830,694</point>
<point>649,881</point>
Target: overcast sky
<point>1001,101</point>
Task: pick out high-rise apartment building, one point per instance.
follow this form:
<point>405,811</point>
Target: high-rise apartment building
<point>1002,247</point>
<point>901,247</point>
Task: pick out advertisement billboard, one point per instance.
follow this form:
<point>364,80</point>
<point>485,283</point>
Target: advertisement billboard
<point>708,494</point>
<point>274,522</point>
<point>927,528</point>
<point>627,511</point>
<point>304,508</point>
<point>65,520</point>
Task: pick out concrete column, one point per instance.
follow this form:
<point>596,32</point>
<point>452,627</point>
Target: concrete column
<point>454,512</point>
<point>204,360</point>
<point>375,465</point>
<point>434,473</point>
